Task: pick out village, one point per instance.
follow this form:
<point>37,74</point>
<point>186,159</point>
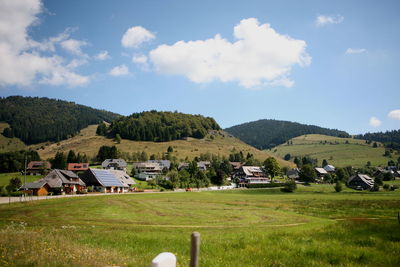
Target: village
<point>112,177</point>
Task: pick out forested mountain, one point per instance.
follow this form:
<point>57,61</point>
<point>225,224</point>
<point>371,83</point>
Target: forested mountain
<point>35,120</point>
<point>265,134</point>
<point>162,126</point>
<point>389,138</point>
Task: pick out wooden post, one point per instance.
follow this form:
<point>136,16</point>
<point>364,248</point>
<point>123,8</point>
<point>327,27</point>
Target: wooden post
<point>195,249</point>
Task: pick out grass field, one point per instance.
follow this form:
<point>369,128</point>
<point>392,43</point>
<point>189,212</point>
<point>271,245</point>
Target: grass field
<point>88,142</point>
<point>9,144</point>
<point>334,149</point>
<point>5,177</point>
<point>312,227</point>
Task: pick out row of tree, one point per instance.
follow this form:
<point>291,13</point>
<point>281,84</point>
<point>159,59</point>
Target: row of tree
<point>159,126</point>
<point>391,139</point>
<point>15,161</point>
<point>266,134</point>
<point>35,120</point>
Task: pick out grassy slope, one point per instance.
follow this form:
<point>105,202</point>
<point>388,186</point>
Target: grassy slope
<point>88,142</point>
<point>312,227</point>
<point>9,144</point>
<point>5,177</point>
<point>336,152</point>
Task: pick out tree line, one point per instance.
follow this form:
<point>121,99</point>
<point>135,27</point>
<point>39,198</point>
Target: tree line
<point>159,126</point>
<point>391,139</point>
<point>266,134</point>
<point>35,120</point>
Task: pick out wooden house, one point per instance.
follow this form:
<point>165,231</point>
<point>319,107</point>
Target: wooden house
<point>114,164</point>
<point>57,181</point>
<point>293,174</point>
<point>251,175</point>
<point>38,167</point>
<point>321,172</point>
<point>77,166</point>
<point>360,182</point>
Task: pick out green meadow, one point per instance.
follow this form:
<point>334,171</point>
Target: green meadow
<point>337,151</point>
<point>314,226</point>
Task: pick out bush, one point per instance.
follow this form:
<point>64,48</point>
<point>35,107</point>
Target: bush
<point>289,187</point>
<point>394,187</point>
<point>386,186</point>
<point>338,186</point>
<point>375,188</point>
<point>3,191</point>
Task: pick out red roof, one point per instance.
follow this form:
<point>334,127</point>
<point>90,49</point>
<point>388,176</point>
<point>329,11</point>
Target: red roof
<point>78,166</point>
<point>37,165</point>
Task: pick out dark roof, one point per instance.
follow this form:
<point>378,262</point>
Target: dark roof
<point>34,185</point>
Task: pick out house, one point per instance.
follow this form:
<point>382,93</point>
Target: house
<point>103,181</point>
<point>293,174</point>
<point>329,168</point>
<point>251,175</point>
<point>58,181</point>
<point>321,172</point>
<point>38,167</point>
<point>148,167</point>
<point>164,164</point>
<point>78,166</point>
<point>236,165</point>
<point>123,178</point>
<point>147,176</point>
<point>360,182</point>
<point>202,165</point>
<point>114,164</point>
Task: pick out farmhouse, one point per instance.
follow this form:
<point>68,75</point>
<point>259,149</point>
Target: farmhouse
<point>202,165</point>
<point>360,182</point>
<point>103,181</point>
<point>38,167</point>
<point>293,174</point>
<point>164,164</point>
<point>321,172</point>
<point>251,175</point>
<point>114,164</point>
<point>78,166</point>
<point>329,168</point>
<point>58,181</point>
<point>147,167</point>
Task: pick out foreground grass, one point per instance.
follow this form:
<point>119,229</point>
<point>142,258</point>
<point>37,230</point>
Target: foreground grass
<point>238,228</point>
<point>5,177</point>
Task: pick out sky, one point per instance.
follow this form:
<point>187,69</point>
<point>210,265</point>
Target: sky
<point>334,64</point>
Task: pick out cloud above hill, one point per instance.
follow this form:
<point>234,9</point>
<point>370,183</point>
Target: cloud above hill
<point>260,56</point>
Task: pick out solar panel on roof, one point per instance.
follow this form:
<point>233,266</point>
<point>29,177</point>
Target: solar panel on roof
<point>106,178</point>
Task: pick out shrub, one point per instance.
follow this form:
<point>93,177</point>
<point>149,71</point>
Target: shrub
<point>394,187</point>
<point>338,186</point>
<point>375,188</point>
<point>289,187</point>
<point>386,186</point>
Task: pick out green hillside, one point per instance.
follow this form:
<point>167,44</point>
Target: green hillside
<point>9,144</point>
<point>216,142</point>
<point>35,120</point>
<point>266,134</point>
<point>337,151</point>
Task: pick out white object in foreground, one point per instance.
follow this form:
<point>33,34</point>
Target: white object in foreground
<point>165,259</point>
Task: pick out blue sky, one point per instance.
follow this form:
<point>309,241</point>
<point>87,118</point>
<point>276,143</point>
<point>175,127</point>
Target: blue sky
<point>330,63</point>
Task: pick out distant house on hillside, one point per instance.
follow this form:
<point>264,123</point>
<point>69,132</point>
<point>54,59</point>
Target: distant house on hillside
<point>236,165</point>
<point>38,167</point>
<point>321,172</point>
<point>78,166</point>
<point>360,182</point>
<point>251,175</point>
<point>329,168</point>
<point>293,174</point>
<point>202,165</point>
<point>164,164</point>
<point>114,164</point>
<point>103,181</point>
<point>59,181</point>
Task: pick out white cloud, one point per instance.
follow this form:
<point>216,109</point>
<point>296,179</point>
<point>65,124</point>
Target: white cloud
<point>394,114</point>
<point>135,36</point>
<point>374,122</point>
<point>260,56</point>
<point>323,20</point>
<point>141,59</point>
<point>119,70</point>
<point>73,46</point>
<point>351,51</point>
<point>21,54</point>
<point>102,55</point>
